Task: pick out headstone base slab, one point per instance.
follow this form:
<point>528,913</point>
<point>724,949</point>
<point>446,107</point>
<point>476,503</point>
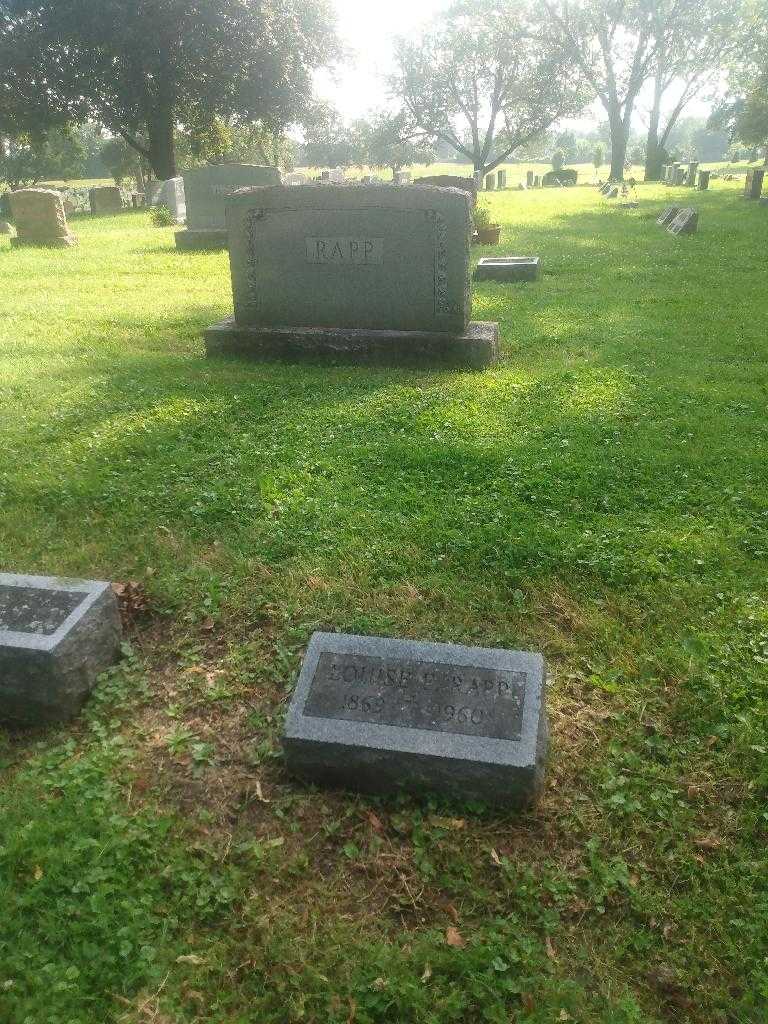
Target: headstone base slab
<point>476,349</point>
<point>202,238</point>
<point>65,242</point>
<point>508,269</point>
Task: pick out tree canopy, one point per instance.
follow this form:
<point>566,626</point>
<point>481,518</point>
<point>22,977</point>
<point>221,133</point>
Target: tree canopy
<point>485,79</point>
<point>143,68</point>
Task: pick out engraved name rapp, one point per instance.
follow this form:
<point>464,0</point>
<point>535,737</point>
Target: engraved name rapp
<point>418,695</point>
<point>345,251</point>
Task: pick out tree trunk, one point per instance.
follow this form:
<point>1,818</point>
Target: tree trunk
<point>654,153</point>
<point>618,147</point>
<point>162,151</point>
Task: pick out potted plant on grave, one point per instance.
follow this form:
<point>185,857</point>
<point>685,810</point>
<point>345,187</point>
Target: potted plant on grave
<point>487,233</point>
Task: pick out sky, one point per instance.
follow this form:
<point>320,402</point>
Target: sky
<point>368,28</point>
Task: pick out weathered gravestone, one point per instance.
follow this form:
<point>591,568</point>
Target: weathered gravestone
<point>356,272</point>
<point>703,182</point>
<point>206,189</point>
<point>106,199</point>
<point>612,192</point>
<point>529,176</point>
<point>295,179</point>
<point>537,181</point>
<point>507,268</point>
<point>382,715</point>
<point>753,186</point>
<point>490,182</point>
<point>40,219</point>
<point>690,174</point>
<point>171,195</point>
<point>5,228</point>
<point>501,179</point>
<point>667,216</point>
<point>468,185</point>
<point>680,175</point>
<point>685,222</point>
<point>564,178</point>
<point>56,636</point>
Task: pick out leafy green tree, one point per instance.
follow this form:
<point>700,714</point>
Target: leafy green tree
<point>119,159</point>
<point>143,69</point>
<point>26,160</point>
<point>384,143</point>
<point>486,78</point>
<point>330,143</point>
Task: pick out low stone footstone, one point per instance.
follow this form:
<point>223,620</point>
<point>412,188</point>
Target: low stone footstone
<point>56,636</point>
<point>40,219</point>
<point>381,715</point>
<point>106,199</point>
<point>667,216</point>
<point>358,273</point>
<point>205,190</point>
<point>703,181</point>
<point>753,186</point>
<point>501,179</point>
<point>507,268</point>
<point>468,185</point>
<point>685,222</point>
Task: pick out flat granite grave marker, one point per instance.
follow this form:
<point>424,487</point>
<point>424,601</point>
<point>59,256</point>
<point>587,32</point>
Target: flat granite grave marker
<point>205,191</point>
<point>56,636</point>
<point>667,216</point>
<point>686,222</point>
<point>753,186</point>
<point>381,715</point>
<point>355,272</point>
<point>105,199</point>
<point>40,219</point>
<point>507,268</point>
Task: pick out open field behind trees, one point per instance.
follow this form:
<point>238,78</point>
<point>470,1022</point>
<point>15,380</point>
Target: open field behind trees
<point>601,496</point>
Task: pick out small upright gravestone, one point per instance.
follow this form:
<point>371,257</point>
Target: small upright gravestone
<point>106,199</point>
<point>501,179</point>
<point>753,186</point>
<point>685,222</point>
<point>490,182</point>
<point>529,176</point>
<point>382,715</point>
<point>205,190</point>
<point>171,195</point>
<point>537,181</point>
<point>358,273</point>
<point>680,175</point>
<point>56,636</point>
<point>690,174</point>
<point>703,182</point>
<point>40,219</point>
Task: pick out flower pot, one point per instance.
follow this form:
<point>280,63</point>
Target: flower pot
<point>489,235</point>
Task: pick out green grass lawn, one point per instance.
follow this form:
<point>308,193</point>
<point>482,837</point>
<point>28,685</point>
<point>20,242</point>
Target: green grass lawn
<point>602,496</point>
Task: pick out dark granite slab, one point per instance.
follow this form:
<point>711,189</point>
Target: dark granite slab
<point>507,268</point>
<point>381,715</point>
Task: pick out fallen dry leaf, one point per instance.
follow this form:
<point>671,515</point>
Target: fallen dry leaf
<point>452,823</point>
<point>550,948</point>
<point>208,624</point>
<point>527,1002</point>
<point>375,822</point>
<point>427,974</point>
<point>38,873</point>
<point>708,842</point>
<point>495,858</point>
<point>453,912</point>
<point>259,792</point>
<point>454,938</point>
<point>190,958</point>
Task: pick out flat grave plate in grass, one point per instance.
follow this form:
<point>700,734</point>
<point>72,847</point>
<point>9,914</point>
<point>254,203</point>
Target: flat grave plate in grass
<point>507,268</point>
<point>381,715</point>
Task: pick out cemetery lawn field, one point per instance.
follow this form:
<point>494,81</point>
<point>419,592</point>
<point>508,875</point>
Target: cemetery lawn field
<point>601,496</point>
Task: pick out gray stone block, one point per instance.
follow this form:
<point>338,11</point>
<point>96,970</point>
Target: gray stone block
<point>381,715</point>
<point>476,348</point>
<point>56,636</point>
<point>507,268</point>
<point>199,239</point>
<point>686,222</point>
<point>667,216</point>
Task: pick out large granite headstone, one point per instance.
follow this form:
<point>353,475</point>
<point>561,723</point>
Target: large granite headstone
<point>753,186</point>
<point>685,222</point>
<point>106,199</point>
<point>353,271</point>
<point>56,636</point>
<point>205,191</point>
<point>40,219</point>
<point>468,185</point>
<point>382,715</point>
